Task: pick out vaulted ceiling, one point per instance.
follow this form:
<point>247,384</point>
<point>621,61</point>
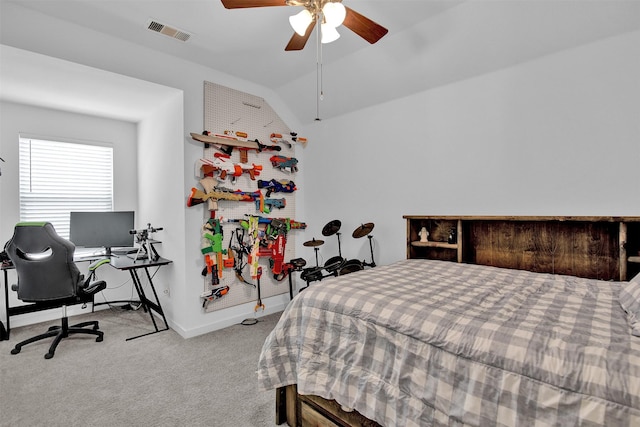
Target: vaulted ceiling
<point>430,43</point>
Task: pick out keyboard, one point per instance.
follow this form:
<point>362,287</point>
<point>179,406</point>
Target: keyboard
<point>88,252</point>
<point>124,251</point>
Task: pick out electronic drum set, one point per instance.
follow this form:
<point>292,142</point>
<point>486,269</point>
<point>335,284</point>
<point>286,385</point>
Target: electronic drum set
<point>337,265</point>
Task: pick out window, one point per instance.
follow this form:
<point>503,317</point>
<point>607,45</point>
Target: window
<point>59,177</point>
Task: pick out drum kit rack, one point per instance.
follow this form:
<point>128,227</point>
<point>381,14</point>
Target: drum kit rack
<point>336,265</point>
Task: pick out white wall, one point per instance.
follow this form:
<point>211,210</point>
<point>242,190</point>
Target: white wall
<point>556,136</point>
<point>16,119</point>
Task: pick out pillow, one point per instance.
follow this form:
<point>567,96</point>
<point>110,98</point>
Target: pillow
<point>630,301</point>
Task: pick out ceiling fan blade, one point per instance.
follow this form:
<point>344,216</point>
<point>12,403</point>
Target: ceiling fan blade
<point>363,26</point>
<point>297,41</point>
<point>241,4</point>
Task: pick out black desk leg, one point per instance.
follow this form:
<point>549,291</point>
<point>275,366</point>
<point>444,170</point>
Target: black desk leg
<point>6,306</point>
<point>158,308</point>
<point>147,303</point>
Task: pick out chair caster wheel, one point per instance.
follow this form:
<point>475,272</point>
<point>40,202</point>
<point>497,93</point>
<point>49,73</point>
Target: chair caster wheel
<point>48,355</point>
<point>15,350</point>
<point>99,339</point>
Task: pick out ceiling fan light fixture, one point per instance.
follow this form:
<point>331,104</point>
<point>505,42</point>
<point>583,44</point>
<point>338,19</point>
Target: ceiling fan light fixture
<point>334,13</point>
<point>329,33</point>
<point>300,21</point>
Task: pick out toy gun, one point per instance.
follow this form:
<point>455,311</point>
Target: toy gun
<point>275,233</point>
<point>213,235</point>
<point>241,250</point>
<point>266,205</point>
<point>146,249</point>
<point>224,166</point>
<point>215,293</point>
<point>226,143</point>
<point>244,155</point>
<point>252,259</point>
<point>290,223</point>
<point>300,139</point>
<point>286,164</point>
<point>277,247</point>
<point>244,151</point>
<point>248,196</point>
<point>277,137</point>
<point>274,186</point>
<point>263,205</point>
<point>212,194</point>
<point>197,197</point>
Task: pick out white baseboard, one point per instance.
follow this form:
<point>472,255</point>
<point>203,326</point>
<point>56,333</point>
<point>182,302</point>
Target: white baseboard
<point>219,319</point>
<point>233,316</point>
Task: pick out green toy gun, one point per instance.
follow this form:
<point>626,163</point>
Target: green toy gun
<point>213,234</point>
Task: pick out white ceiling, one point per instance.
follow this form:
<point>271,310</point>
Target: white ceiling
<point>430,43</point>
<point>41,80</point>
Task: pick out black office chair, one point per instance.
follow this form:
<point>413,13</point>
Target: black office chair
<point>48,277</point>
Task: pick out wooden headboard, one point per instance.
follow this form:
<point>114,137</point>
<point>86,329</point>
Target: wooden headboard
<point>597,247</point>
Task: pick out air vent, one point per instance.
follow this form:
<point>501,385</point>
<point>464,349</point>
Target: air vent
<point>168,30</point>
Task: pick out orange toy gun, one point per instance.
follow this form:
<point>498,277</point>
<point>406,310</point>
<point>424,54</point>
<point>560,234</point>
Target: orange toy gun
<point>224,166</point>
<point>277,137</point>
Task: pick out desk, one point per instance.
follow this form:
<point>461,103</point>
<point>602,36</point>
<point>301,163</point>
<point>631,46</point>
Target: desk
<point>122,263</point>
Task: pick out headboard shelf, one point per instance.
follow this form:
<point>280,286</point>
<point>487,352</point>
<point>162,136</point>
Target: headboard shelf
<point>598,247</point>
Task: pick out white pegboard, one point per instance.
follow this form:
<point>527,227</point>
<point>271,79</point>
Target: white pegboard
<point>229,110</point>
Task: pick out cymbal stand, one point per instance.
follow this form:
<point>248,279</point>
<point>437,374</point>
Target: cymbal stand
<point>373,263</point>
<point>339,248</point>
<point>291,268</point>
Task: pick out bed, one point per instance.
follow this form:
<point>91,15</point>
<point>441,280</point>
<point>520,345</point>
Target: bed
<point>424,342</point>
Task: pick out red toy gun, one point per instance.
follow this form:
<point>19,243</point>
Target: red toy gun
<point>278,245</point>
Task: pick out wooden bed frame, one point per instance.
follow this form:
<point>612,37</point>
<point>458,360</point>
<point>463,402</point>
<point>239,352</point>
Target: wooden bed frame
<point>596,247</point>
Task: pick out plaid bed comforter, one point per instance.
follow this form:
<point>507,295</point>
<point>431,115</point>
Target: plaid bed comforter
<point>431,343</point>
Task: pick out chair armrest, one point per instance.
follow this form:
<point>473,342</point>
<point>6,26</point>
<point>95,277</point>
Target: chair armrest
<point>94,265</point>
<point>88,287</point>
<point>94,287</point>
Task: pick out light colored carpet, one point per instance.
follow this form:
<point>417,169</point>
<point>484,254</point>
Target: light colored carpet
<point>156,380</point>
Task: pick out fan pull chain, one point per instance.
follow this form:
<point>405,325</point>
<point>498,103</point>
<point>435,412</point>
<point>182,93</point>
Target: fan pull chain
<point>319,91</point>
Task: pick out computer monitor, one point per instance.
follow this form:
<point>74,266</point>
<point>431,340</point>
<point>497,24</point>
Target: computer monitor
<point>102,229</point>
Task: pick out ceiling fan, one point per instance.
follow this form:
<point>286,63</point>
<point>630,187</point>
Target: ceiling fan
<point>330,14</point>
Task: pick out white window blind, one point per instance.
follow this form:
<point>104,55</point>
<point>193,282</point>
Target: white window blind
<point>59,177</point>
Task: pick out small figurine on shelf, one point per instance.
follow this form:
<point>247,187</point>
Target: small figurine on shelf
<point>452,236</point>
<point>424,235</point>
